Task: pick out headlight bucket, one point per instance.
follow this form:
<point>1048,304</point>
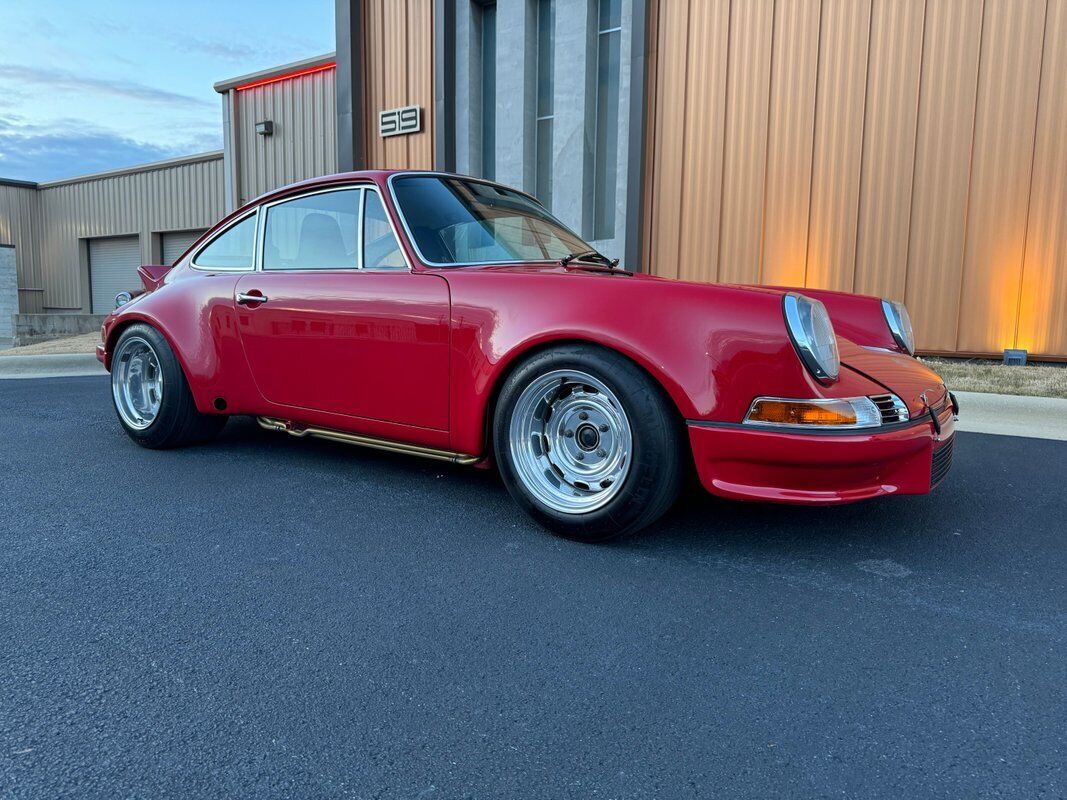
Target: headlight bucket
<point>899,322</point>
<point>812,335</point>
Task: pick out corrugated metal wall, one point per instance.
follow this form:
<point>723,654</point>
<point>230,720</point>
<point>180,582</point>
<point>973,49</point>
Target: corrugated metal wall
<point>19,225</point>
<point>398,71</point>
<point>304,143</point>
<point>177,197</point>
<point>908,148</point>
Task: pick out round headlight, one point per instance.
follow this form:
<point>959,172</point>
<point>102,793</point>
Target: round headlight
<point>813,336</point>
<point>896,316</point>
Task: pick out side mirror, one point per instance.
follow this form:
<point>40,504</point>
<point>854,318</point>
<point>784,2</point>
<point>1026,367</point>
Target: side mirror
<point>122,298</point>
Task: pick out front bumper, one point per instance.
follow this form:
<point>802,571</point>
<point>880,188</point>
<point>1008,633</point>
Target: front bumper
<point>821,468</point>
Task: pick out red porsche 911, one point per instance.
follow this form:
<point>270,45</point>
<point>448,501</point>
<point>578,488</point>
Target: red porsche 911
<point>456,319</point>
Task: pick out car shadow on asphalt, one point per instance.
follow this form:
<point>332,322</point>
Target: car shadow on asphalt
<point>698,522</point>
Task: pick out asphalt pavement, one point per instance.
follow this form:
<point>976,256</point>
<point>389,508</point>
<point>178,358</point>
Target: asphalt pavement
<point>267,617</point>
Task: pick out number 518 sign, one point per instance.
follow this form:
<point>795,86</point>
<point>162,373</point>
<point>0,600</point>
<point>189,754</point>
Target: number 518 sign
<point>397,121</point>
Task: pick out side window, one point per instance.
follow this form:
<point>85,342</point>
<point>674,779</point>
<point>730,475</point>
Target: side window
<point>380,248</point>
<point>231,250</point>
<point>316,231</point>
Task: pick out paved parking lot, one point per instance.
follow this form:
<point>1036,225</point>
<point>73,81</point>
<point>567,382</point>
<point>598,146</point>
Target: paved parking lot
<point>268,617</point>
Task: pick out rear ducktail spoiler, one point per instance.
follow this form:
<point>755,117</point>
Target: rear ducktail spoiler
<point>152,276</point>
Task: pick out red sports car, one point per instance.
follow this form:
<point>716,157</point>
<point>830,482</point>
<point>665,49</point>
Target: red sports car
<point>454,318</point>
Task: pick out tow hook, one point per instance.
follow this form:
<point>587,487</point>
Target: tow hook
<point>933,417</point>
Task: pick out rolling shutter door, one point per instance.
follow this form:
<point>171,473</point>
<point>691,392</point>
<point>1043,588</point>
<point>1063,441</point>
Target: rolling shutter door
<point>176,243</point>
<point>113,264</point>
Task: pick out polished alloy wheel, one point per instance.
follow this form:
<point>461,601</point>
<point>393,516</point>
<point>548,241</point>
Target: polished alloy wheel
<point>570,441</point>
<point>137,382</point>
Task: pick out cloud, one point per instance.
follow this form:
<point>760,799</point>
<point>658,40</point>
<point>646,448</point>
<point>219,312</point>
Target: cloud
<point>73,147</point>
<point>252,52</point>
<point>62,80</point>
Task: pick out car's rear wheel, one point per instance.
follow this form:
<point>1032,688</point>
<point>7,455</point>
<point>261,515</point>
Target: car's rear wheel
<point>151,395</point>
<point>587,443</point>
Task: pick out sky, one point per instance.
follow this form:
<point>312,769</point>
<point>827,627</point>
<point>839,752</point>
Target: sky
<point>91,86</point>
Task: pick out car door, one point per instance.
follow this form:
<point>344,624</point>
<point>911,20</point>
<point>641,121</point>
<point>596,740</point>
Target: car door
<point>334,320</point>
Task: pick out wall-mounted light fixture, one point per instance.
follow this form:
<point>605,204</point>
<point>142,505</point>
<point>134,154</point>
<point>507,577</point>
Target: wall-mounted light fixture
<point>265,128</point>
<point>1014,358</point>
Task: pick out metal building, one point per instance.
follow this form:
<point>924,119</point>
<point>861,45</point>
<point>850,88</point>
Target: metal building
<point>79,241</point>
<point>903,148</point>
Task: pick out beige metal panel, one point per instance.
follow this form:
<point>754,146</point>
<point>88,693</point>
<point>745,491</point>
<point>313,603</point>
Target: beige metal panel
<point>903,154</point>
<point>701,186</point>
<point>398,71</point>
<point>745,160</point>
<point>672,56</point>
<point>947,89</point>
<point>176,197</point>
<point>893,70</point>
<point>838,151</point>
<point>1005,122</point>
<point>794,70</point>
<point>395,85</point>
<point>1042,303</point>
<point>420,79</point>
<point>20,226</point>
<point>304,142</point>
<point>373,82</point>
<point>653,94</point>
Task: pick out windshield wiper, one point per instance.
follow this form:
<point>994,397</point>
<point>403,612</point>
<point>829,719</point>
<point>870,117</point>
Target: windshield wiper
<point>586,254</point>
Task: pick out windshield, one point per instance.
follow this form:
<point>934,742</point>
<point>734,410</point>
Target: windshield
<point>455,221</point>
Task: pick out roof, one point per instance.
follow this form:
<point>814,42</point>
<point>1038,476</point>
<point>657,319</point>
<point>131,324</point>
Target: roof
<point>17,183</point>
<point>111,173</point>
<point>342,177</point>
<point>292,69</point>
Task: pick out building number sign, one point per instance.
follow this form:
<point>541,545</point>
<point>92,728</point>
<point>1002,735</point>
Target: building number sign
<point>398,121</point>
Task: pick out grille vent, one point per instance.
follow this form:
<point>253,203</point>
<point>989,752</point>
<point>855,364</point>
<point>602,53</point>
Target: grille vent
<point>941,462</point>
<point>891,407</point>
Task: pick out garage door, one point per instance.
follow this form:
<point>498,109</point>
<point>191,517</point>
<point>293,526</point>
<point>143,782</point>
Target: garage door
<point>113,264</point>
<point>175,243</point>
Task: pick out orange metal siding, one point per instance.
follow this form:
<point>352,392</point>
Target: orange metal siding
<point>1042,302</point>
<point>745,141</point>
<point>892,110</point>
<point>907,148</point>
<point>398,71</point>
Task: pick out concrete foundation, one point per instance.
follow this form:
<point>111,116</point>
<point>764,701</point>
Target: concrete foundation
<point>31,328</point>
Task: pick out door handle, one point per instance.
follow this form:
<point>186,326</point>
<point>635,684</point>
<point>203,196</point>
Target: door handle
<point>245,299</point>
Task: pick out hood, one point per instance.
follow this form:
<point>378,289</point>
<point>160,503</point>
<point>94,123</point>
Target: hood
<point>902,375</point>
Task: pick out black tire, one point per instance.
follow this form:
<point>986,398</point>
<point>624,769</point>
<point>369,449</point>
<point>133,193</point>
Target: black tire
<point>177,423</point>
<point>657,465</point>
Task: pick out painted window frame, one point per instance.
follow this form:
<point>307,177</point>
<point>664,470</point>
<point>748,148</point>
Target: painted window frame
<point>362,187</point>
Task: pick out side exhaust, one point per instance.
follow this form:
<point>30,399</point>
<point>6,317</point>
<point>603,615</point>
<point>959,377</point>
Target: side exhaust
<point>300,431</point>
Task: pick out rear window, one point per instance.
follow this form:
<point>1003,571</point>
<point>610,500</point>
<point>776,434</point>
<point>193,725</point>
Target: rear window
<point>232,249</point>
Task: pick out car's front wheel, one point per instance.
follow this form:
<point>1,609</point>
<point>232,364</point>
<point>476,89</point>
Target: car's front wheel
<point>151,395</point>
<point>587,443</point>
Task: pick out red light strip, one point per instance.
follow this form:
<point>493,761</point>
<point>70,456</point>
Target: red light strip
<point>286,76</point>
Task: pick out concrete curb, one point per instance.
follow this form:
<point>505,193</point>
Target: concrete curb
<point>57,365</point>
<point>1011,415</point>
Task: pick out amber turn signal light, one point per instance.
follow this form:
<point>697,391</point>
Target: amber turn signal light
<point>855,412</point>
